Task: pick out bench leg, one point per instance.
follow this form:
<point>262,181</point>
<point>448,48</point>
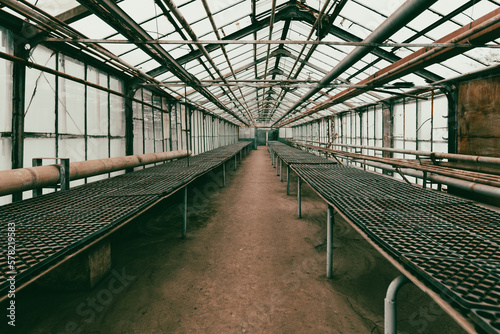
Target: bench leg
<point>281,170</point>
<point>288,180</point>
<point>390,310</point>
<point>330,221</point>
<point>235,161</point>
<point>184,214</point>
<point>299,195</point>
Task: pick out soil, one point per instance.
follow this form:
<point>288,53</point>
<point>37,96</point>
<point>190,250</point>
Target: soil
<point>248,265</point>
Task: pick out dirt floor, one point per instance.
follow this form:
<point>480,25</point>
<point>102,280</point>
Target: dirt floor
<point>248,265</point>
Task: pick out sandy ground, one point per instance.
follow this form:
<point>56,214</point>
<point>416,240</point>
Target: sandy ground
<point>248,265</point>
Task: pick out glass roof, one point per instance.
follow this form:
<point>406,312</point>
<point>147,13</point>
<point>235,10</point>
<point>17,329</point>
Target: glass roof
<point>264,84</point>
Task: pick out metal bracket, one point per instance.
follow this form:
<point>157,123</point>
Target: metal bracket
<point>64,167</point>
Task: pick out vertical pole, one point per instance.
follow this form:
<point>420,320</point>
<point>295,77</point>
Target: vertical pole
<point>452,95</point>
<point>184,213</point>
<point>64,174</point>
<point>224,175</point>
<point>235,161</point>
<point>277,166</point>
<point>330,220</point>
<point>35,163</point>
<point>18,97</point>
<point>281,170</point>
<point>288,180</point>
<point>299,195</point>
<point>187,119</point>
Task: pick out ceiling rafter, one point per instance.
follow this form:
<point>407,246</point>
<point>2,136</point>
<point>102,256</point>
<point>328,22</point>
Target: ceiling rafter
<point>226,56</point>
<point>481,30</point>
<point>124,24</point>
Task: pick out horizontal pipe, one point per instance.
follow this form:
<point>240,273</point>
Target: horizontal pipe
<point>265,42</point>
<point>439,155</point>
<point>473,187</point>
<point>17,180</point>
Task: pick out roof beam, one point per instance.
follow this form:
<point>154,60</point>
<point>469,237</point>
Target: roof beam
<point>226,56</point>
<point>110,12</point>
<point>482,30</point>
<point>404,14</point>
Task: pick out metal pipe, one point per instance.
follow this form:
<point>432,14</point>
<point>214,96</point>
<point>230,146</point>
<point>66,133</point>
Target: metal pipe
<point>330,221</point>
<point>235,162</point>
<point>390,310</point>
<point>438,155</point>
<point>265,42</point>
<point>473,187</point>
<point>22,179</point>
<point>184,213</point>
<point>404,14</point>
<point>299,197</point>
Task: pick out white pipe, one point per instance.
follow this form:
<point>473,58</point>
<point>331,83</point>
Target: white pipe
<point>390,309</point>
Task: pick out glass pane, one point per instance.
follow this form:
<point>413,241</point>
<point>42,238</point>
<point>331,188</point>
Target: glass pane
<point>39,102</point>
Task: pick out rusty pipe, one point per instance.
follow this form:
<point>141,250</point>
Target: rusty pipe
<point>438,155</point>
<point>16,180</point>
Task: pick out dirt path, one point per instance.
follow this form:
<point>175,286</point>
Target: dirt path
<point>248,266</point>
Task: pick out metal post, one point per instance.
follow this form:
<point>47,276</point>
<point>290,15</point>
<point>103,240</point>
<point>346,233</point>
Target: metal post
<point>224,175</point>
<point>299,204</point>
<point>288,180</point>
<point>241,156</point>
<point>277,166</point>
<point>35,163</point>
<point>64,173</point>
<point>281,170</point>
<point>184,213</point>
<point>330,221</point>
<point>235,161</point>
<point>390,310</point>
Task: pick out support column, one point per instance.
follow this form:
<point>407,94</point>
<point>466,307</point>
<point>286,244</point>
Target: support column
<point>330,221</point>
<point>184,213</point>
<point>18,98</point>
<point>277,166</point>
<point>235,161</point>
<point>299,195</point>
<point>129,123</point>
<point>451,93</point>
<point>387,130</point>
<point>288,180</point>
<point>390,309</point>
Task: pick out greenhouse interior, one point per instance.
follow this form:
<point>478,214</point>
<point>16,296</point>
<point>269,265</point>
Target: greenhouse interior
<point>250,166</point>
